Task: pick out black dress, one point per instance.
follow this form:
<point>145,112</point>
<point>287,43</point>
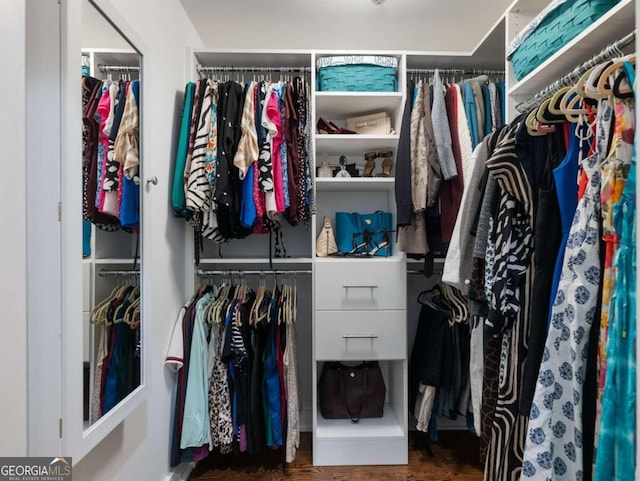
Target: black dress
<point>548,233</point>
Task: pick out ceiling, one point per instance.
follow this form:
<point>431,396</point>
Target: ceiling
<point>419,25</point>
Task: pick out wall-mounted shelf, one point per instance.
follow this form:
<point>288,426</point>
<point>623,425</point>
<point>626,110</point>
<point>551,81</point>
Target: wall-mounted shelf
<point>384,427</point>
<point>354,144</point>
<point>613,25</point>
<point>115,261</point>
<point>257,261</point>
<point>338,105</point>
<point>355,184</point>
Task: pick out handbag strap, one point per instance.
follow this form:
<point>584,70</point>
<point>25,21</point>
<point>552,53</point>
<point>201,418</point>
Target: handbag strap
<point>354,418</point>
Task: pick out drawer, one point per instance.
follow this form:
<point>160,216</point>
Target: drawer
<point>360,284</point>
<point>360,335</point>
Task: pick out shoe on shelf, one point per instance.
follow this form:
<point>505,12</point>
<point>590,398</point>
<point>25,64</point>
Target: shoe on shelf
<point>387,163</point>
<point>370,164</point>
<point>384,244</point>
<point>327,127</point>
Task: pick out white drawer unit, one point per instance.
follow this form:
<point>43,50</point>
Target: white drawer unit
<point>361,315</point>
<point>360,284</point>
<point>360,335</point>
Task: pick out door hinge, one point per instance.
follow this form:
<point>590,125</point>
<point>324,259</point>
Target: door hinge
<point>60,427</point>
<point>59,211</point>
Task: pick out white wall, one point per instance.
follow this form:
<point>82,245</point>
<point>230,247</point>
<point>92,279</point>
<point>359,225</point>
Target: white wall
<point>13,287</point>
<point>445,25</point>
<point>97,32</point>
<point>138,449</point>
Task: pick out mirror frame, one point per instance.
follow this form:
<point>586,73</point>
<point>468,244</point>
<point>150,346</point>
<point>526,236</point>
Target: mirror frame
<point>76,440</point>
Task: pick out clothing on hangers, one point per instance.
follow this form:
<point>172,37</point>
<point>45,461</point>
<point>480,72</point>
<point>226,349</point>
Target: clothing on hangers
<point>233,349</point>
<point>246,159</point>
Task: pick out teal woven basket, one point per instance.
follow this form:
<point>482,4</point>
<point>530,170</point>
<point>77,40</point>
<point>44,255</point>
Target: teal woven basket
<point>357,74</point>
<point>558,28</point>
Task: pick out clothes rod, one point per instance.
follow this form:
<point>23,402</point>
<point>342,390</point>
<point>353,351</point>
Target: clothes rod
<point>118,273</point>
<point>228,272</point>
<point>118,68</point>
<point>201,68</point>
<point>436,270</point>
<point>474,71</point>
<point>613,50</point>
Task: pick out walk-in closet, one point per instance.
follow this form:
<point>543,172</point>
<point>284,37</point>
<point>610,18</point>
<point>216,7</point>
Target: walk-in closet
<point>376,240</point>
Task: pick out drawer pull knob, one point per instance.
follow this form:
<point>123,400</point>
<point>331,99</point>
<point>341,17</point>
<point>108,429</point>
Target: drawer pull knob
<point>359,287</point>
<point>360,336</point>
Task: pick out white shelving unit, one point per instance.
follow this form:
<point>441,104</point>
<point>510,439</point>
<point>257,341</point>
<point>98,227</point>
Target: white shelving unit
<point>381,308</point>
<point>613,25</point>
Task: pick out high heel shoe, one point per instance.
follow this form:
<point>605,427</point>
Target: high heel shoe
<point>370,157</point>
<point>387,163</point>
<point>384,244</point>
<point>327,127</point>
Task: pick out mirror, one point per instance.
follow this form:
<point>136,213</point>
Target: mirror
<point>111,217</point>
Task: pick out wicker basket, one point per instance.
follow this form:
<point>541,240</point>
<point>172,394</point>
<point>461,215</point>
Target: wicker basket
<point>558,28</point>
<point>357,74</point>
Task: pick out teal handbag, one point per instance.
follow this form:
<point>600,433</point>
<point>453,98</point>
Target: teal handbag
<point>364,234</point>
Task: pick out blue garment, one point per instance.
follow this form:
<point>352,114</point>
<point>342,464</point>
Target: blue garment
<point>248,212</point>
<point>565,175</point>
<point>615,456</point>
<point>272,378</point>
<point>86,238</point>
<point>470,111</point>
<point>196,427</point>
<point>135,87</point>
<point>229,361</point>
<point>178,200</point>
<point>260,130</point>
<point>130,204</point>
<point>503,99</point>
<point>486,95</point>
<point>110,391</point>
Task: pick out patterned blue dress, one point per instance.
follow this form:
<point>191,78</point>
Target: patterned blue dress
<point>553,449</point>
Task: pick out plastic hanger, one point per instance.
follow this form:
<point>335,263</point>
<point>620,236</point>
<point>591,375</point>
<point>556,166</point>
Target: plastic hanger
<point>545,119</point>
<point>618,90</point>
<point>571,105</point>
<point>254,313</point>
<point>532,124</point>
<point>602,87</point>
<point>554,104</point>
<point>94,316</point>
<point>428,298</point>
<point>294,301</point>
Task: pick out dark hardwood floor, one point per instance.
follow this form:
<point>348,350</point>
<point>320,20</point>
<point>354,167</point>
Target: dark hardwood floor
<point>453,458</point>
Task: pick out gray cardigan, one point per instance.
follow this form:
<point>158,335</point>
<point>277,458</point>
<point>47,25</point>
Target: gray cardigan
<point>441,132</point>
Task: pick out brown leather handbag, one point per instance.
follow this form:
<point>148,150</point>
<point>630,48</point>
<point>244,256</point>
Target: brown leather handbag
<point>351,392</point>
